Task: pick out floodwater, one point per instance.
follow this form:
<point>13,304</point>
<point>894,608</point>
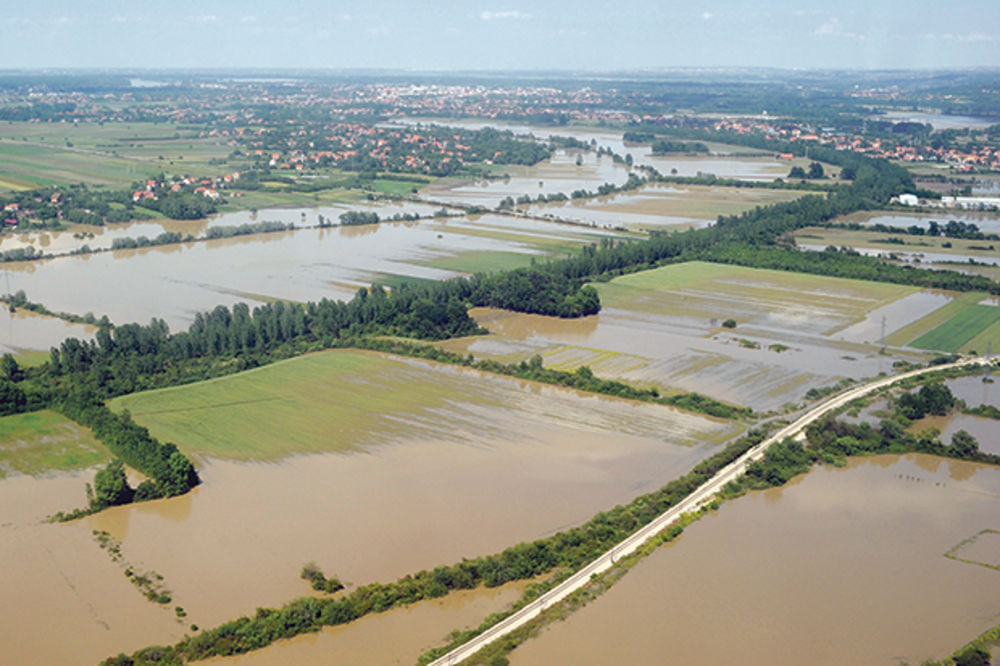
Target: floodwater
<point>174,282</point>
<point>392,510</point>
<point>558,174</point>
<point>239,540</point>
<point>918,257</point>
<point>729,165</point>
<point>681,346</point>
<point>938,121</point>
<point>65,600</point>
<point>896,314</point>
<point>974,392</point>
<point>987,222</point>
<point>398,636</point>
<point>25,331</point>
<point>659,206</point>
<point>842,566</point>
<point>75,237</point>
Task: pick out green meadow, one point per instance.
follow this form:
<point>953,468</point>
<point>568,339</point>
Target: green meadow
<point>953,334</point>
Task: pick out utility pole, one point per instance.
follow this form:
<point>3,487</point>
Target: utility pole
<point>882,339</point>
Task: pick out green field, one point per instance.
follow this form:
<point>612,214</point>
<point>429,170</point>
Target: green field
<point>481,261</point>
<point>43,441</point>
<point>953,334</point>
<point>116,154</point>
<point>718,291</point>
<point>931,321</point>
<point>331,401</point>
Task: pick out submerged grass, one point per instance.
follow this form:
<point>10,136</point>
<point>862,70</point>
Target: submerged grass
<point>43,441</point>
<point>319,402</point>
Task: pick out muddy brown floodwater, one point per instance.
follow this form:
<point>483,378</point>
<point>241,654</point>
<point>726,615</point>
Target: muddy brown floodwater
<point>974,392</point>
<point>398,636</point>
<point>173,282</point>
<point>240,540</point>
<point>25,331</point>
<point>842,566</point>
<point>64,600</point>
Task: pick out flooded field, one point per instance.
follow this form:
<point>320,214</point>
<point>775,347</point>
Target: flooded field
<point>43,441</point>
<point>24,333</point>
<point>904,247</point>
<point>841,566</point>
<point>657,206</point>
<point>561,173</point>
<point>664,327</point>
<point>68,602</point>
<point>974,392</point>
<point>725,161</point>
<point>174,282</point>
<point>987,222</point>
<point>401,490</point>
<point>353,401</point>
<point>101,238</point>
<point>398,636</point>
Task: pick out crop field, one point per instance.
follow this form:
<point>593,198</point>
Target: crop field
<point>938,317</point>
<point>953,334</point>
<point>37,154</point>
<point>26,166</point>
<point>350,401</point>
<point>45,441</point>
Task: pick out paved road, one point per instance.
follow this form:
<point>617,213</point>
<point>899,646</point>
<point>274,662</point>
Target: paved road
<point>692,502</point>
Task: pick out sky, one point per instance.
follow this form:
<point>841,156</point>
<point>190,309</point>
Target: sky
<point>571,35</point>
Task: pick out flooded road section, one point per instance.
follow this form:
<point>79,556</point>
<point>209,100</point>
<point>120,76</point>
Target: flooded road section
<point>174,282</point>
<point>843,566</point>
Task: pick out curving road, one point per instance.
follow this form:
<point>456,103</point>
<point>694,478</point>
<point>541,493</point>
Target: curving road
<point>692,502</point>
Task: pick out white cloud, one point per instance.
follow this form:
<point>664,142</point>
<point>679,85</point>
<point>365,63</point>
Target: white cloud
<point>706,15</point>
<point>378,31</point>
<point>513,14</point>
<point>971,37</point>
<point>119,19</point>
<point>248,19</point>
<point>208,18</point>
<point>63,20</point>
<point>833,28</point>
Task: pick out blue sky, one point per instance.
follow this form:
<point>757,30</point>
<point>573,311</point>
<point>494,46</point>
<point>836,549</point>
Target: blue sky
<point>501,34</point>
